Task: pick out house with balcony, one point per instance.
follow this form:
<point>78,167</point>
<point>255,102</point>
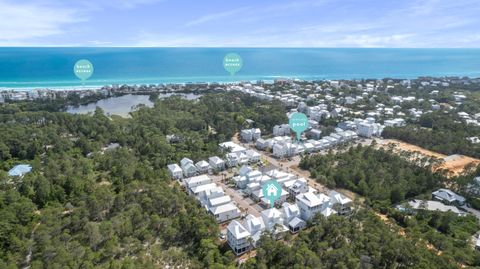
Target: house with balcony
<point>238,238</point>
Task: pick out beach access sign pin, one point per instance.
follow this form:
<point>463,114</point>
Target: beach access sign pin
<point>298,123</point>
<point>232,62</point>
<point>272,191</point>
<point>83,69</point>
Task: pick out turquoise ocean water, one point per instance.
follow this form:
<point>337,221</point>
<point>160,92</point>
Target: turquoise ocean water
<point>53,67</point>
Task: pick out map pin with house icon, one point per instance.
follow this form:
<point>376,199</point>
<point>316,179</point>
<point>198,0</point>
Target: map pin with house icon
<point>272,191</point>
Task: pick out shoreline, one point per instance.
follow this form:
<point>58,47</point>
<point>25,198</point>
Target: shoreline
<point>270,80</point>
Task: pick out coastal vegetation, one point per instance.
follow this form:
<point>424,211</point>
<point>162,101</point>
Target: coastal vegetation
<point>86,205</point>
<point>382,177</point>
<point>439,132</point>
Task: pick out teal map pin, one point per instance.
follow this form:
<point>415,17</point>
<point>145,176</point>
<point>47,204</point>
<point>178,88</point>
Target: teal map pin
<point>272,191</point>
<point>298,123</point>
<point>83,69</point>
<point>232,62</point>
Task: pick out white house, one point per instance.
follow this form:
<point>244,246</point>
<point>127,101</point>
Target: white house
<point>189,169</point>
<point>253,156</point>
<point>232,159</point>
<point>202,167</point>
<point>244,170</point>
<point>340,203</point>
<point>300,186</point>
<point>280,150</point>
<point>175,171</point>
<point>255,227</point>
<point>184,162</point>
<point>232,147</point>
<point>238,237</point>
<point>448,197</point>
<point>261,144</point>
<point>225,212</point>
<point>249,135</point>
<point>315,134</point>
<point>281,130</point>
<point>309,205</point>
<point>216,163</point>
<point>200,191</point>
<point>218,201</point>
<point>273,220</point>
<point>192,182</point>
<point>292,218</point>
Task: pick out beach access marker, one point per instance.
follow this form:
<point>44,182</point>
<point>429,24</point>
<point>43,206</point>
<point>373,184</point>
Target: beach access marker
<point>298,123</point>
<point>83,69</point>
<point>232,63</point>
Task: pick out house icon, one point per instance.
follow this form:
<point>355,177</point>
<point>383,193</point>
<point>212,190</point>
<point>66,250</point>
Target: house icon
<point>272,190</point>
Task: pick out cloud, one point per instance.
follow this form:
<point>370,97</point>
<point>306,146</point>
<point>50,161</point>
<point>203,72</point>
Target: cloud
<point>116,4</point>
<point>216,16</point>
<point>29,21</point>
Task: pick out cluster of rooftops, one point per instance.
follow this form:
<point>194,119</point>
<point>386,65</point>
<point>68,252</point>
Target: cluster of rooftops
<point>244,231</point>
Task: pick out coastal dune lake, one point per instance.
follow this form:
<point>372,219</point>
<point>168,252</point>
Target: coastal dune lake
<point>53,67</point>
<point>122,105</point>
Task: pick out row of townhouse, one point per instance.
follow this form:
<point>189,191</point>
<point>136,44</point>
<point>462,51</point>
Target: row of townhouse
<point>284,147</point>
<point>244,235</point>
<point>188,168</point>
<point>237,155</point>
<point>212,198</point>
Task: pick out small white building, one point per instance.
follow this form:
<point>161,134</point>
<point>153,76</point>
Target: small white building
<point>340,203</point>
<point>300,186</point>
<point>253,156</point>
<point>261,144</point>
<point>192,182</point>
<point>292,218</point>
<point>202,167</point>
<point>225,212</point>
<point>216,163</point>
<point>175,171</point>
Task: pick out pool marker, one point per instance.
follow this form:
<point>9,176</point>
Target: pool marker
<point>298,123</point>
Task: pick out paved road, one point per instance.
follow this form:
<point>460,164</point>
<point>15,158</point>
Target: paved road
<point>472,211</point>
<point>244,204</point>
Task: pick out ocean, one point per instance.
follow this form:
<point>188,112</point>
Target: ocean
<point>32,68</point>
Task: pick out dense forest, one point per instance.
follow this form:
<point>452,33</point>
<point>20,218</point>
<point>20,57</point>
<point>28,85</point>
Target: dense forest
<point>386,178</point>
<point>85,206</point>
<point>379,175</point>
<point>362,241</point>
<point>439,132</point>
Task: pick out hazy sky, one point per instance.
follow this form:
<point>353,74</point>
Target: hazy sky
<point>242,23</point>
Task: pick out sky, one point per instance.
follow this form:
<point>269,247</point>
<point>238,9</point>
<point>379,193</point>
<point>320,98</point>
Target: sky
<point>245,23</point>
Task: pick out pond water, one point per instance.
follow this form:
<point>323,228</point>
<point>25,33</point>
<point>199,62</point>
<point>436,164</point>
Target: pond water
<point>122,105</point>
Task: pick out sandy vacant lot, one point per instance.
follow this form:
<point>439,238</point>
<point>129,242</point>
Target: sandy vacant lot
<point>454,164</point>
